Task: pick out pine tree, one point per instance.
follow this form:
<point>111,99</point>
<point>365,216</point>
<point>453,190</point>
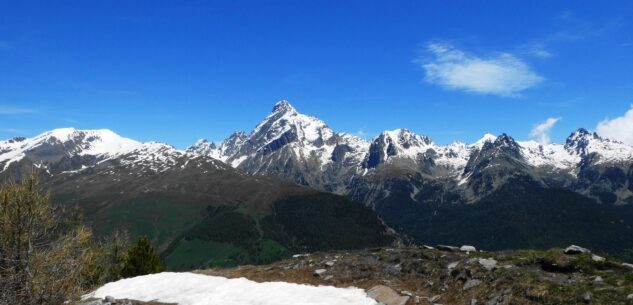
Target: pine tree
<point>142,259</point>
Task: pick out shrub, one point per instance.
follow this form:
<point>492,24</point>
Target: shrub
<point>141,259</point>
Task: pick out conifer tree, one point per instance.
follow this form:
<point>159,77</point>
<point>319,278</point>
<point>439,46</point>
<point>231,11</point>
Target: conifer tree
<point>141,259</point>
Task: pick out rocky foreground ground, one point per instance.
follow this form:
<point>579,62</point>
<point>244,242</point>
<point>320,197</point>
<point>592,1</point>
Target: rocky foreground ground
<point>450,275</point>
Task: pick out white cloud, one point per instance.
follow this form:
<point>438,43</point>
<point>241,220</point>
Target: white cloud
<point>620,128</point>
<point>540,132</point>
<point>14,110</point>
<point>501,74</point>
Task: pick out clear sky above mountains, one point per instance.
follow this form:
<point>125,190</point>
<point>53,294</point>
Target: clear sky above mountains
<point>452,70</point>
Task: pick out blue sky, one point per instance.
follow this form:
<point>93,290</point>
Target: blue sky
<point>176,71</point>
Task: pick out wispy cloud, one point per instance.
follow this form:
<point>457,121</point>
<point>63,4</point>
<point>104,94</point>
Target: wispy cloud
<point>6,110</point>
<point>541,131</point>
<point>620,128</point>
<point>500,74</point>
<point>568,29</point>
<point>535,49</point>
<point>12,131</point>
<point>361,133</point>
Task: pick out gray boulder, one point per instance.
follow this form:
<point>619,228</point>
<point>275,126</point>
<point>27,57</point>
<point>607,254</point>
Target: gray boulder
<point>319,272</point>
<point>386,295</point>
<point>471,283</point>
<point>488,263</point>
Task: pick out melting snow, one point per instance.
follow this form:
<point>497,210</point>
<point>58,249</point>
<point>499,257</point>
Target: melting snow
<point>197,289</point>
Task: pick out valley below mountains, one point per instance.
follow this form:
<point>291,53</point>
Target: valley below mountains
<point>295,185</point>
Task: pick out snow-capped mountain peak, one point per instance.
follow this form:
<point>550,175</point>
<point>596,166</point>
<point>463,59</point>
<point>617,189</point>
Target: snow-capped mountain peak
<point>406,138</point>
<point>583,143</point>
<point>57,143</point>
<point>578,142</point>
<point>203,147</point>
<point>401,143</point>
<point>285,120</point>
<point>507,143</point>
<point>487,138</point>
<point>283,106</point>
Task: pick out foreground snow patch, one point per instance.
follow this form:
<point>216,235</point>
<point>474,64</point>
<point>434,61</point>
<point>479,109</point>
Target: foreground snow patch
<point>197,289</point>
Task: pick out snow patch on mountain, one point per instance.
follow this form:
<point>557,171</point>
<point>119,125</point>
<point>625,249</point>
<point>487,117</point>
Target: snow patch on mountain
<point>552,155</point>
<point>359,146</point>
<point>454,155</point>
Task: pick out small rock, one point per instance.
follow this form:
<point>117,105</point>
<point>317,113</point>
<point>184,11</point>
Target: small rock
<point>473,301</point>
<point>597,258</point>
<point>428,247</point>
<point>587,297</point>
<point>329,263</point>
<point>627,265</point>
<point>447,248</point>
<point>386,295</point>
<point>498,299</point>
<point>329,278</point>
<point>472,260</point>
<point>629,297</point>
<point>452,265</point>
<point>488,263</point>
<point>573,249</point>
<point>598,280</point>
<point>471,283</point>
<point>300,255</point>
<point>434,298</point>
<point>110,299</point>
<point>466,248</point>
<point>318,272</point>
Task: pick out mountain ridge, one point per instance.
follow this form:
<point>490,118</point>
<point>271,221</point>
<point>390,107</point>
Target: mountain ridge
<point>305,150</point>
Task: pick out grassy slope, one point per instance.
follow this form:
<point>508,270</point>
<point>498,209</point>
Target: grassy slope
<point>234,235</point>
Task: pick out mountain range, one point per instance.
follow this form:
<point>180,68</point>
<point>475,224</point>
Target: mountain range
<point>307,151</point>
<point>197,210</point>
<point>497,192</point>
